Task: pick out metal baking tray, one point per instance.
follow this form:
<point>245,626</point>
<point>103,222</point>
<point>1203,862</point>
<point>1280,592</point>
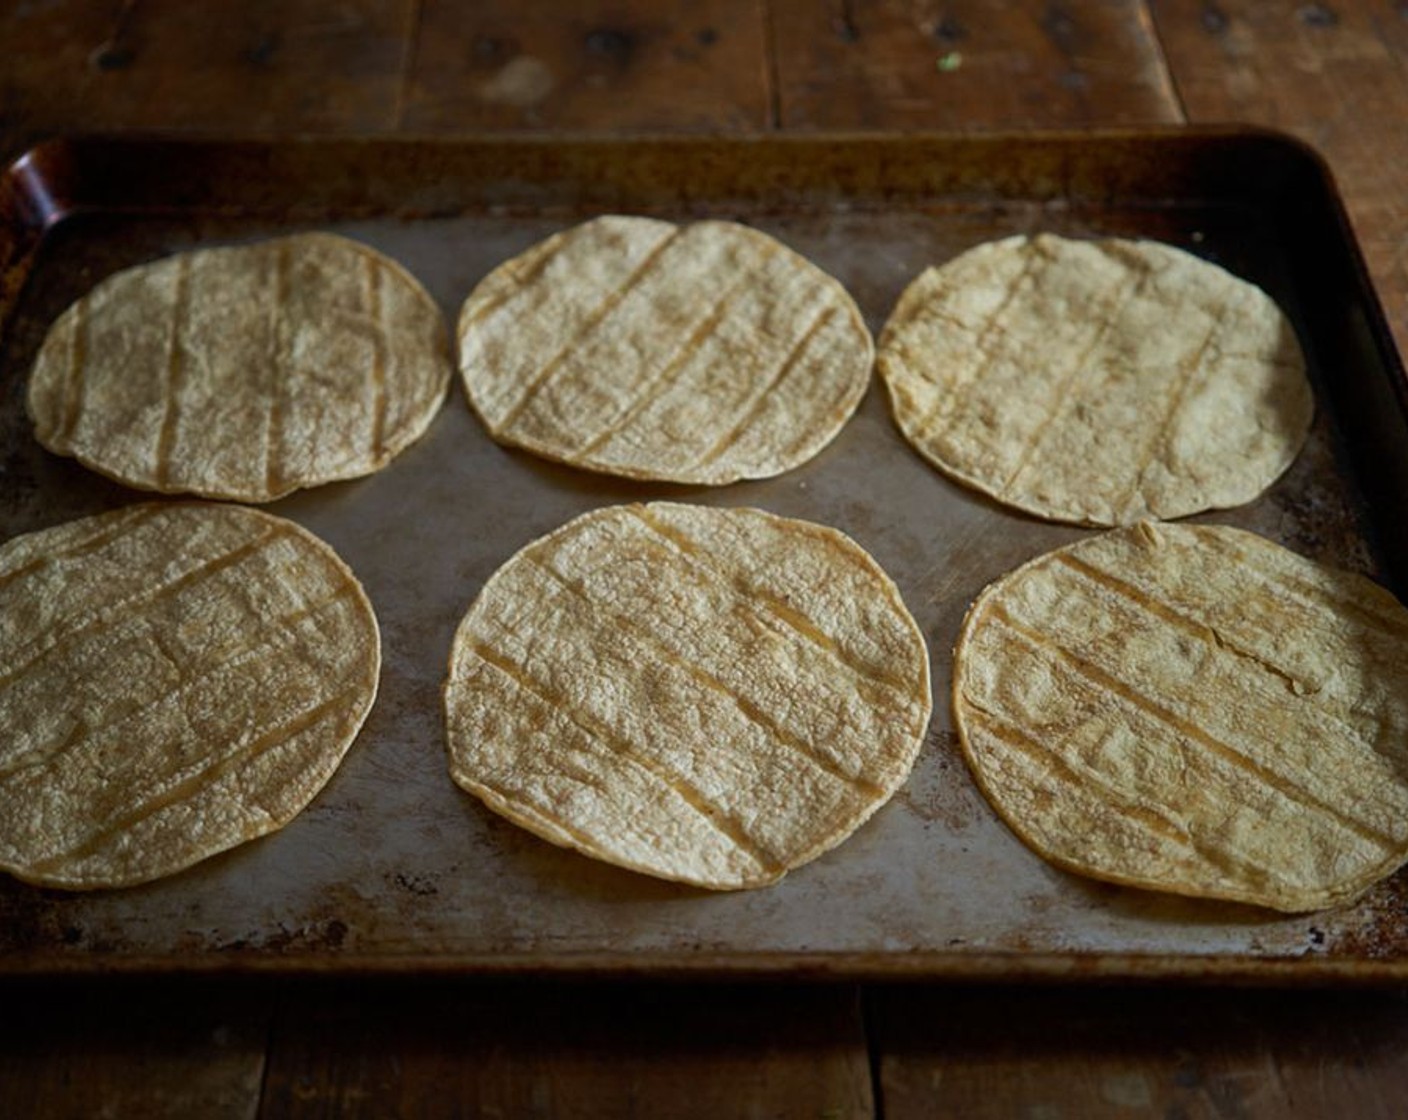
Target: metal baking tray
<point>392,868</point>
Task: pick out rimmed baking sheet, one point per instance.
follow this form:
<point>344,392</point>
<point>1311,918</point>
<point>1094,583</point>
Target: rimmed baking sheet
<point>392,867</point>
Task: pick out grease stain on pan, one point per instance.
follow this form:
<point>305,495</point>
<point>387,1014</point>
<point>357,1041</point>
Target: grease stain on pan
<point>1375,928</point>
<point>940,790</point>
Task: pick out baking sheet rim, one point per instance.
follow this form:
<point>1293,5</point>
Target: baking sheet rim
<point>897,964</point>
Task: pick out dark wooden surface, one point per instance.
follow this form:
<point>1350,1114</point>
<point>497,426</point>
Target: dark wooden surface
<point>1330,73</point>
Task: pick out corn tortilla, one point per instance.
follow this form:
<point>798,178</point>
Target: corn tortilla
<point>702,353</point>
<point>1096,382</point>
<point>244,372</point>
<point>713,696</point>
<point>1193,709</point>
<point>175,679</point>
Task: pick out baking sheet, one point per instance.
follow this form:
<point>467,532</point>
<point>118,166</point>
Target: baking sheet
<point>394,868</point>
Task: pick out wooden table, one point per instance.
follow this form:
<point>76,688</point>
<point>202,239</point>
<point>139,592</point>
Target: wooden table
<point>1330,73</point>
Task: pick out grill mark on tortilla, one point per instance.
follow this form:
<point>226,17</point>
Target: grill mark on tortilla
<point>199,780</point>
<point>706,679</point>
<point>585,329</point>
<point>1223,860</point>
<point>1388,620</point>
<point>116,613</point>
<point>1055,766</point>
<point>1309,594</point>
<point>1190,731</point>
<point>515,803</point>
<point>789,362</point>
<point>171,399</point>
<point>1377,620</point>
<point>274,467</point>
<point>661,381</point>
<point>1211,638</point>
<point>722,822</point>
<point>518,281</point>
<point>75,383</point>
<point>1113,304</point>
<point>37,757</point>
<point>783,612</point>
<point>48,754</point>
<point>931,422</point>
<point>129,521</point>
<point>377,388</point>
<point>837,409</point>
<point>1082,779</point>
<point>1188,374</point>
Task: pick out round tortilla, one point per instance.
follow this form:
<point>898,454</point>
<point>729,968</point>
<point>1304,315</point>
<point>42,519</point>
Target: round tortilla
<point>245,372</point>
<point>175,679</point>
<point>713,696</point>
<point>1194,710</point>
<point>1096,382</point>
<point>703,353</point>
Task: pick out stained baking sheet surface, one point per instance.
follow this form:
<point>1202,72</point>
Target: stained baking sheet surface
<point>392,865</point>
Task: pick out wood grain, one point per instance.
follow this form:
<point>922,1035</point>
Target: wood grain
<point>574,1053</point>
<point>152,1050</point>
<point>1330,73</point>
<point>41,85</point>
<point>1016,63</point>
<point>296,64</point>
<point>1113,1054</point>
<point>681,65</point>
<point>166,64</point>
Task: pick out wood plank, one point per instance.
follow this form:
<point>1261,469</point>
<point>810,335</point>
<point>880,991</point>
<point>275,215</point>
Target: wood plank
<point>965,65</point>
<point>132,1049</point>
<point>264,66</point>
<point>51,55</point>
<point>1331,74</point>
<point>282,65</point>
<point>1110,1054</point>
<point>681,65</point>
<point>575,1052</point>
<point>432,65</point>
